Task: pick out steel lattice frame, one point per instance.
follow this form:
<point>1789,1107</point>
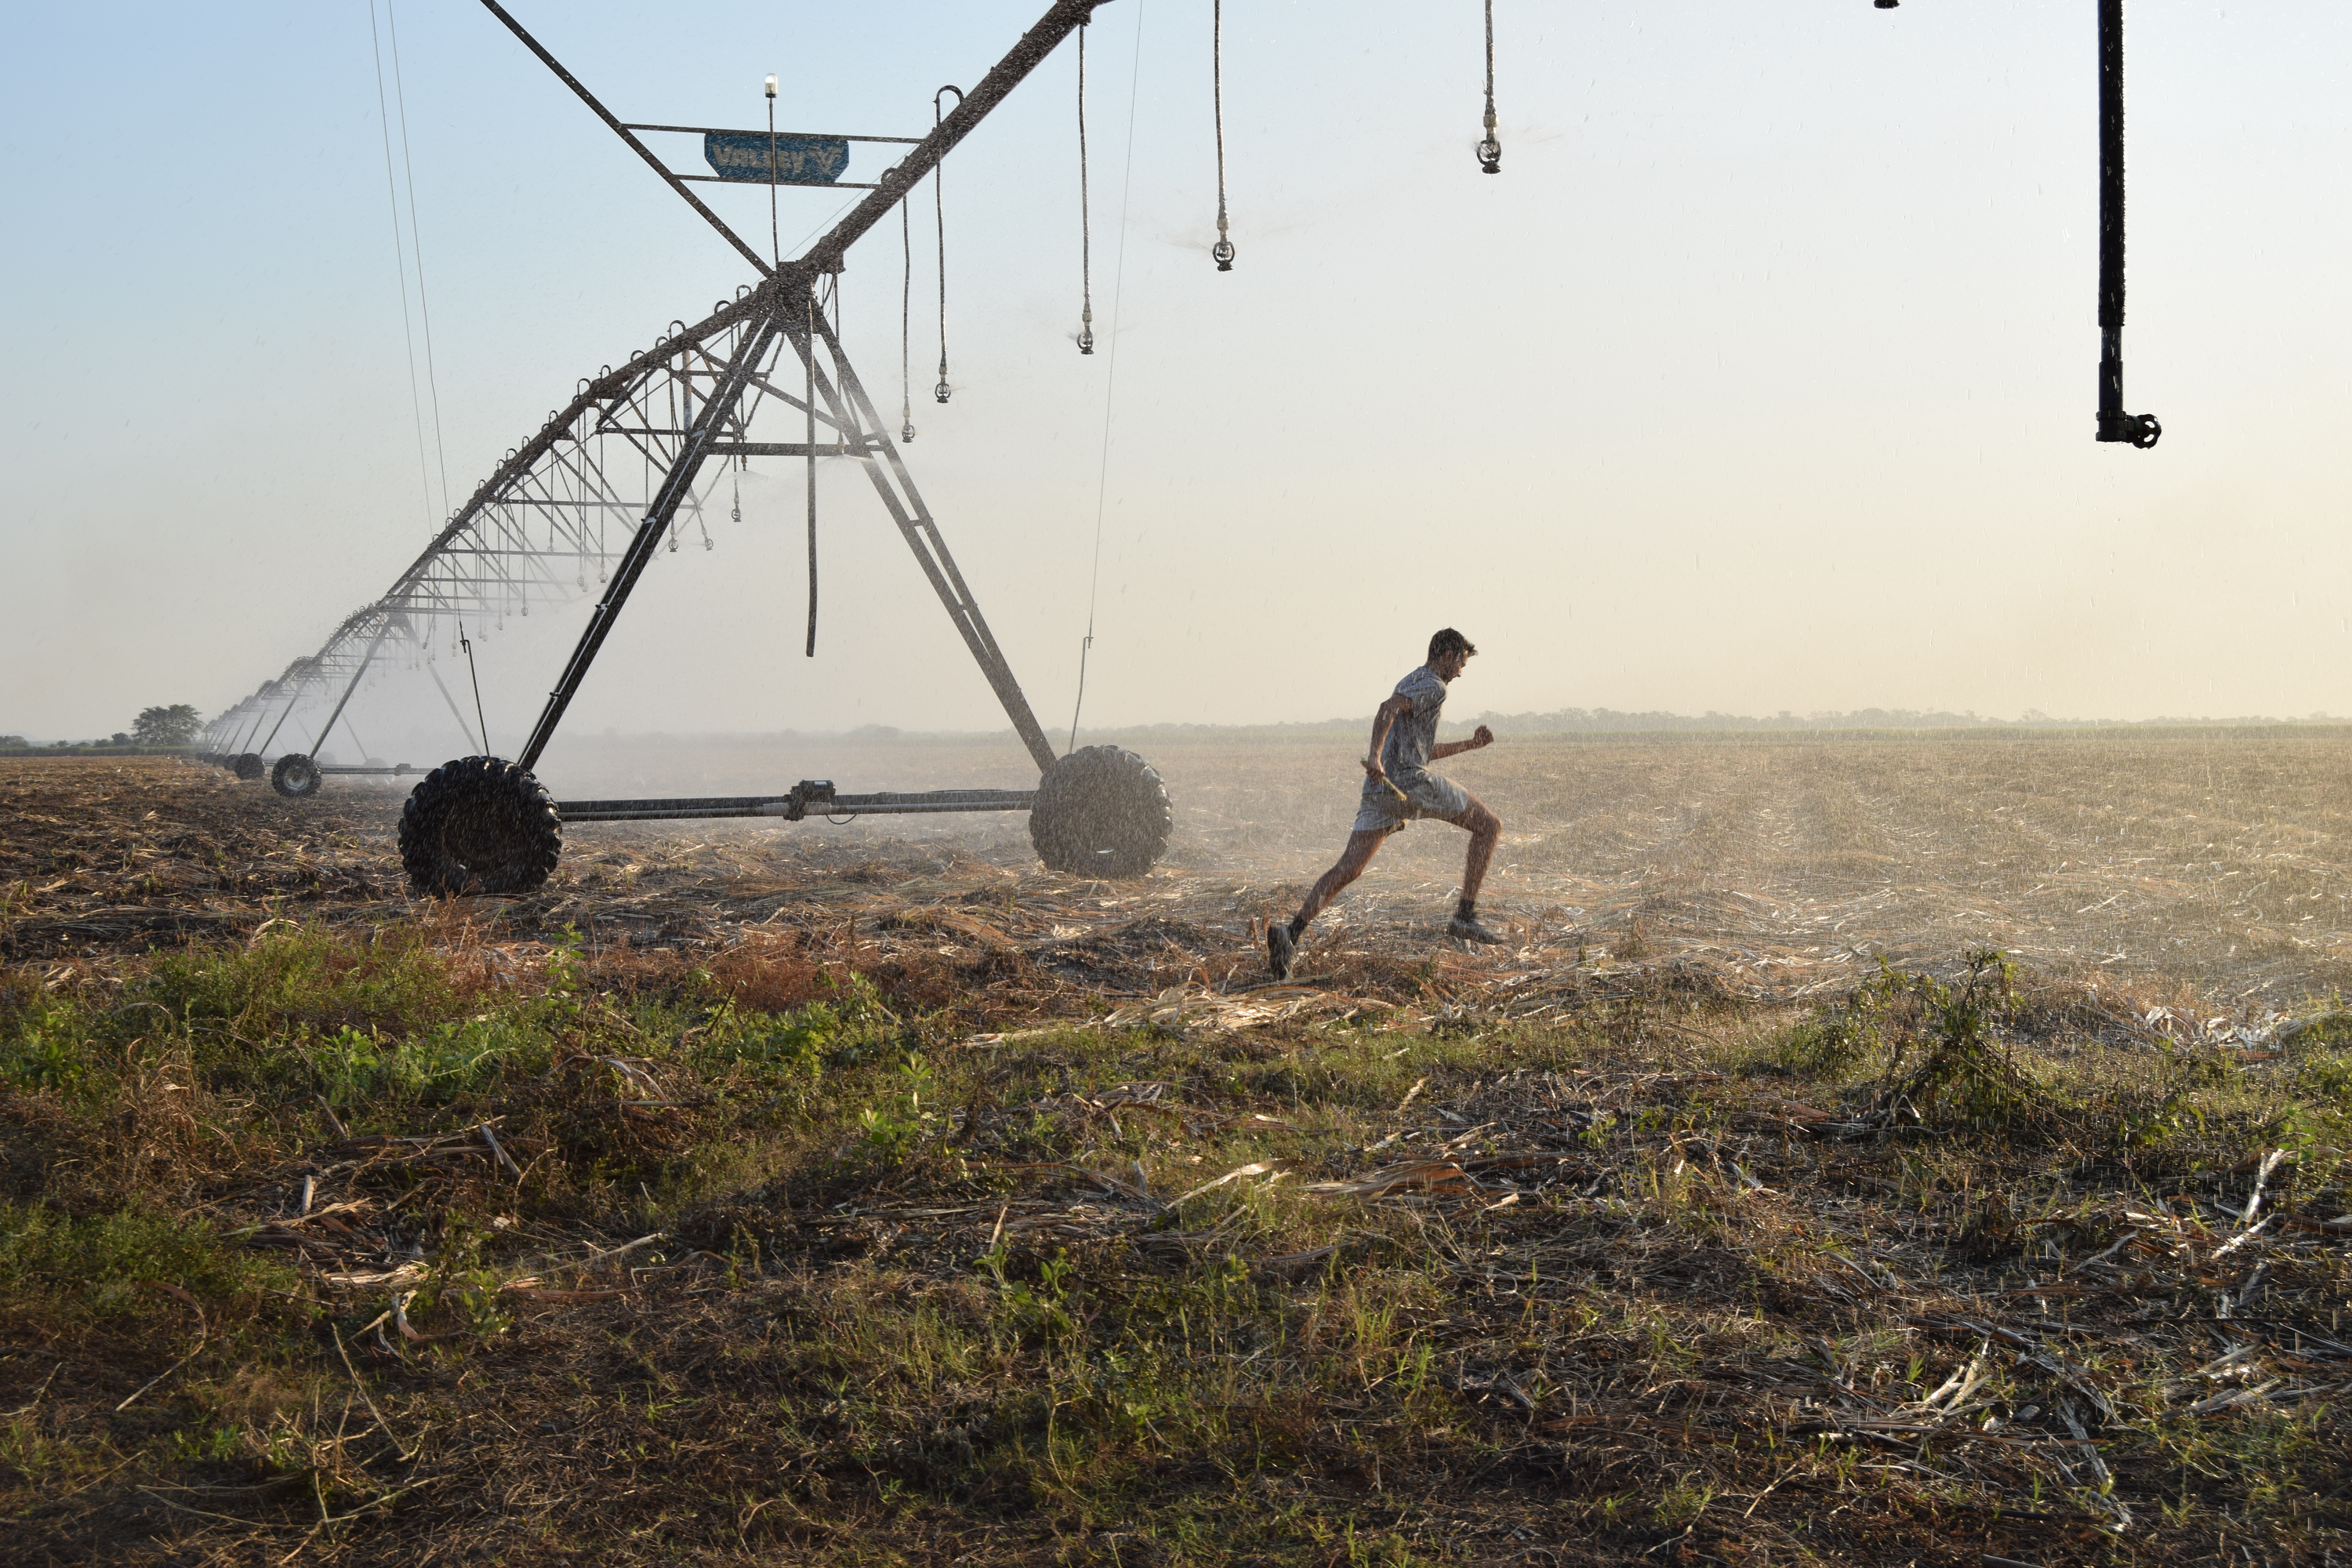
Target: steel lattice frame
<point>538,533</point>
<point>669,411</point>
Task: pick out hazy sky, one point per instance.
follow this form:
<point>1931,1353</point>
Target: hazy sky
<point>1762,378</point>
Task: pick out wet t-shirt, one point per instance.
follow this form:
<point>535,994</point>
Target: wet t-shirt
<point>1405,758</point>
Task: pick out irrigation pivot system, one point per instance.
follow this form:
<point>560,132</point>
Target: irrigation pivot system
<point>668,417</point>
<point>616,477</point>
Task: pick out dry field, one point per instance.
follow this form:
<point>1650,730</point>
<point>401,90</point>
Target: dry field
<point>2214,861</point>
<point>865,1193</point>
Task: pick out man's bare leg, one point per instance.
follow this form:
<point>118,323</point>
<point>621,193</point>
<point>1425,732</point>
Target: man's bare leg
<point>1486,830</point>
<point>1362,847</point>
<point>1282,941</point>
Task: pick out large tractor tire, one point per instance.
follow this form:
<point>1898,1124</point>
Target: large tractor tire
<point>1100,812</point>
<point>248,766</point>
<point>296,776</point>
<point>479,824</point>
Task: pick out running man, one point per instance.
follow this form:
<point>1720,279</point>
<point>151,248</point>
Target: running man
<point>1397,787</point>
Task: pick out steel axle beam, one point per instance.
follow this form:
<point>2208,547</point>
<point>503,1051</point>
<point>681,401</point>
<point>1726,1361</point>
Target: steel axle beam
<point>798,803</point>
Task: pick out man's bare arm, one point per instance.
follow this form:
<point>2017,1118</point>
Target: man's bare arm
<point>1384,718</point>
<point>1483,737</point>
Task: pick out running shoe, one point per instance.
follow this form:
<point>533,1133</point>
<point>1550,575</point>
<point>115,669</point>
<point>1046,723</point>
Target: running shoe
<point>1466,928</point>
<point>1281,949</point>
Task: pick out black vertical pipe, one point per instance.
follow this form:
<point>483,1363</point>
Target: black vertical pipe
<point>2110,217</point>
<point>808,352</point>
<point>2115,425</point>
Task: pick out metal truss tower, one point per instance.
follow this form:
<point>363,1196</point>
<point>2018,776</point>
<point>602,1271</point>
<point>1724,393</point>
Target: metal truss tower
<point>603,486</point>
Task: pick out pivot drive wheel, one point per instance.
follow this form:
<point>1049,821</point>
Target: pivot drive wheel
<point>479,824</point>
<point>1100,812</point>
<point>248,766</point>
<point>296,776</point>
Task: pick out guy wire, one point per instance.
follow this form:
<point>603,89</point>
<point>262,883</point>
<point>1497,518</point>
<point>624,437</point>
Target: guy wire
<point>400,261</point>
<point>467,643</point>
<point>416,243</point>
<point>1110,376</point>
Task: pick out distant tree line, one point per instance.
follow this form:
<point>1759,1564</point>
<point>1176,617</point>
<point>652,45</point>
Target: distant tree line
<point>172,725</point>
<point>1608,719</point>
<point>1603,720</point>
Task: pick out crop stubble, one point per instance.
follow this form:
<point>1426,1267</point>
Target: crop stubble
<point>1669,1301</point>
<point>2210,860</point>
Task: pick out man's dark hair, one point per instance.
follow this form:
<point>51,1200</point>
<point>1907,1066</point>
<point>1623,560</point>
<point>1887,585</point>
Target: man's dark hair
<point>1449,641</point>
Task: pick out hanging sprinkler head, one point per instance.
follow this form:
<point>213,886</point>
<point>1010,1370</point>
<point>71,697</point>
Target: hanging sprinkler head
<point>775,234</point>
<point>907,326</point>
<point>1086,216</point>
<point>1490,151</point>
<point>940,210</point>
<point>1887,4</point>
<point>1223,249</point>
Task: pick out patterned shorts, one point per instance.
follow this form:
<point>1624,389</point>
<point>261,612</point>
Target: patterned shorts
<point>1428,796</point>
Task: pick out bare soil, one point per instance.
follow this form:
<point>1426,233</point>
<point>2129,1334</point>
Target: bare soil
<point>863,1192</point>
<point>2215,861</point>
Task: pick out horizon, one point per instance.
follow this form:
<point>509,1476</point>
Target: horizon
<point>1532,725</point>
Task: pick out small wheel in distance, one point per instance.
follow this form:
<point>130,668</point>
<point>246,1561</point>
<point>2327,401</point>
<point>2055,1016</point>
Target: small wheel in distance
<point>248,766</point>
<point>296,776</point>
<point>1100,812</point>
<point>479,825</point>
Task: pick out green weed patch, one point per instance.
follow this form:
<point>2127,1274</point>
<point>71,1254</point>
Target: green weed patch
<point>406,1245</point>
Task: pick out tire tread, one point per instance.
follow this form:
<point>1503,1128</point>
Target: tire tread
<point>472,784</point>
<point>1101,811</point>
